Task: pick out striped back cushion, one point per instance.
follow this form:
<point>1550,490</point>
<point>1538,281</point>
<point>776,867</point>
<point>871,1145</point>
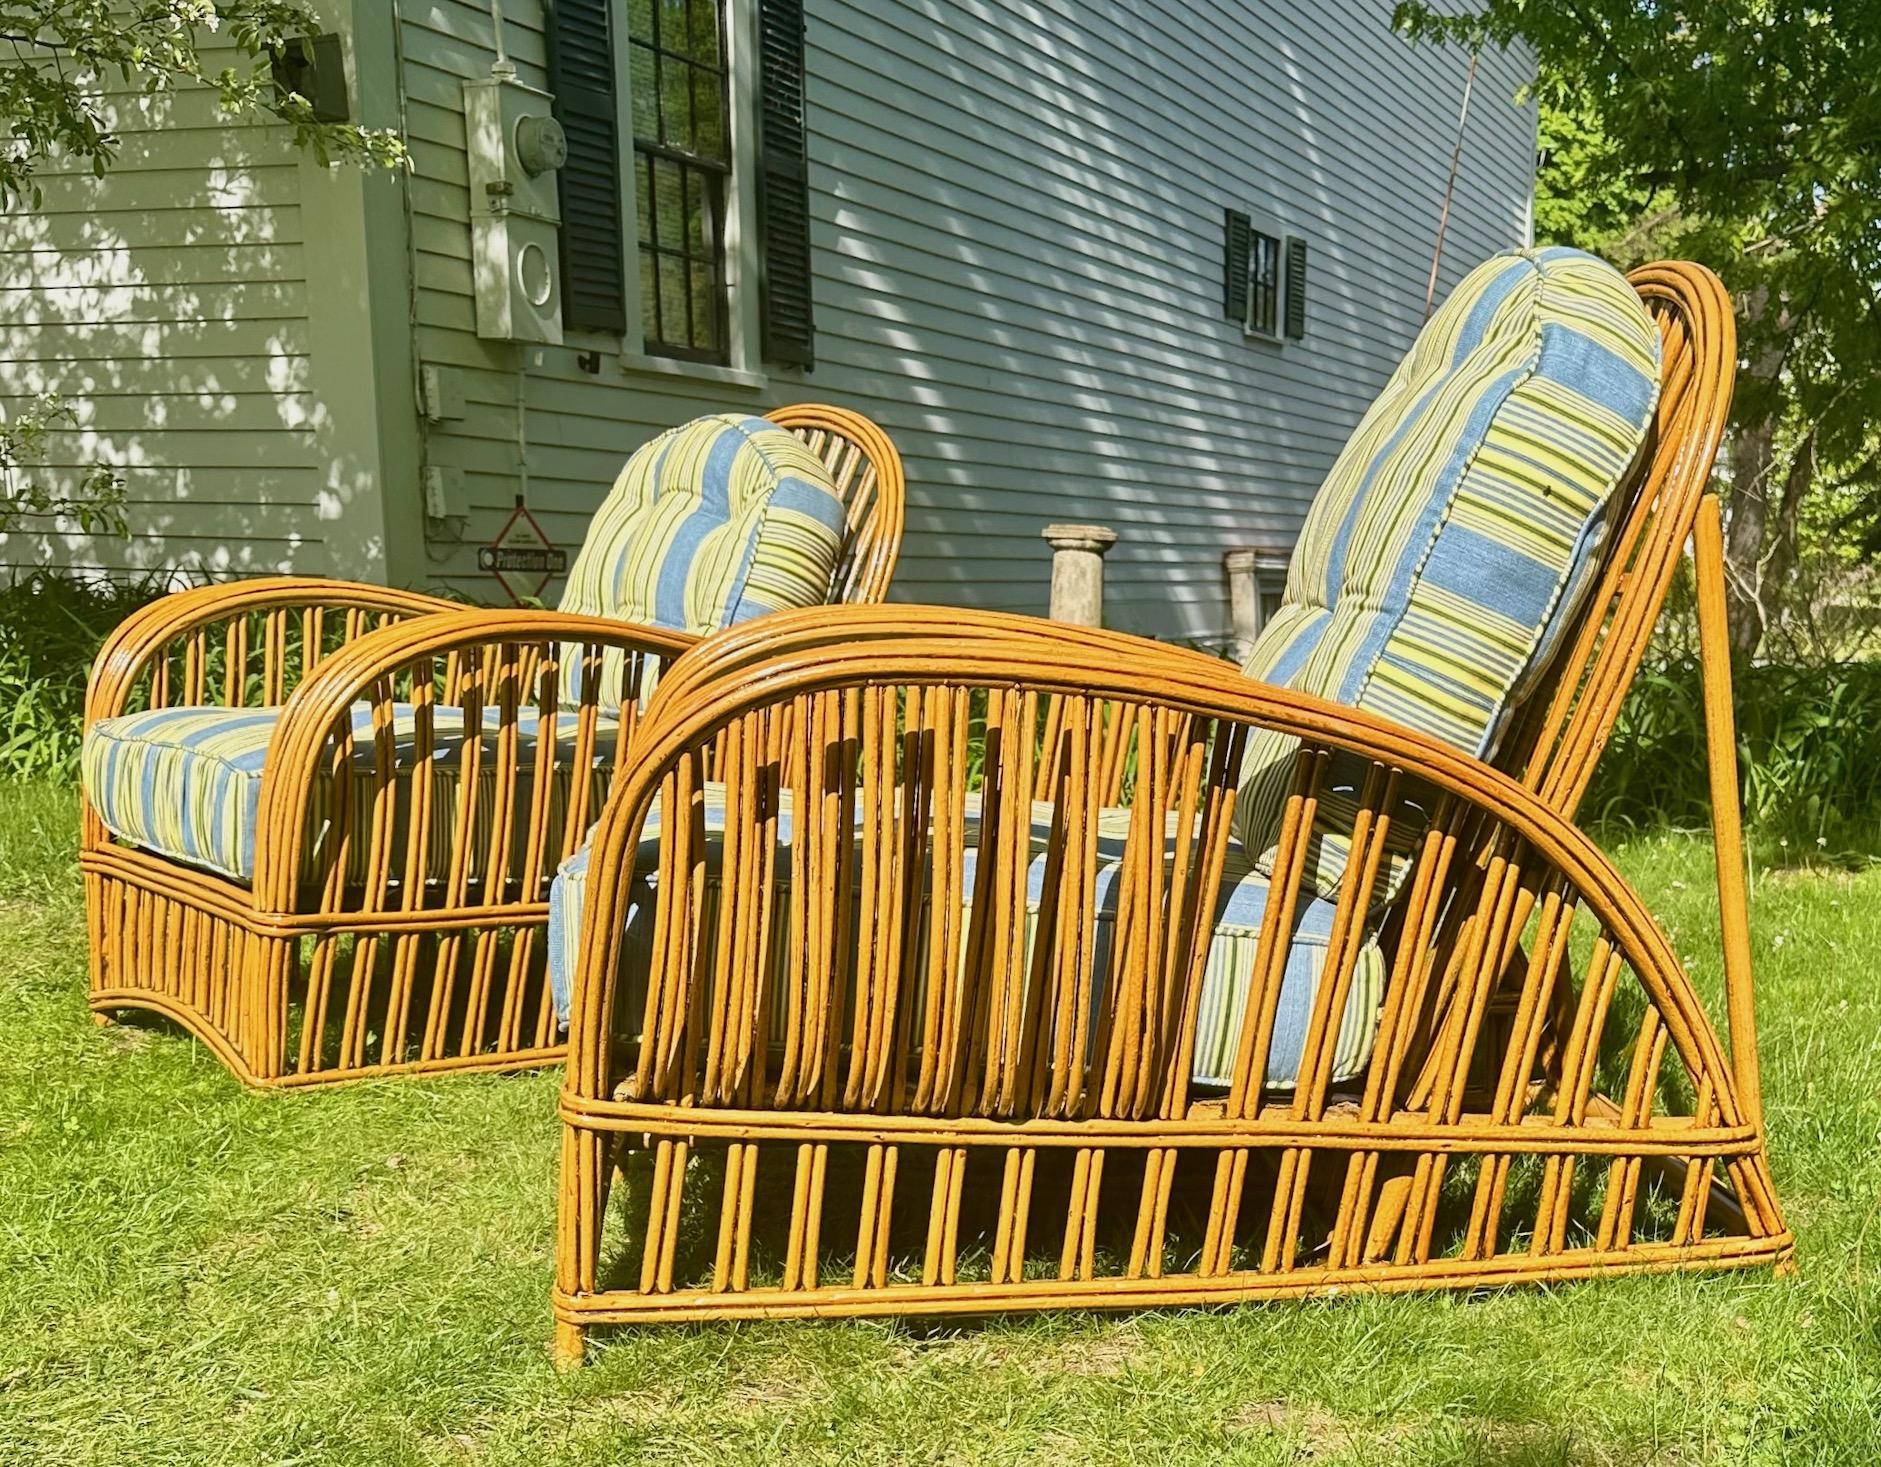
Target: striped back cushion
<point>712,523</point>
<point>1460,529</point>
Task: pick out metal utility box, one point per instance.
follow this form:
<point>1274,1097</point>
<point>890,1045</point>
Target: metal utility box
<point>515,148</point>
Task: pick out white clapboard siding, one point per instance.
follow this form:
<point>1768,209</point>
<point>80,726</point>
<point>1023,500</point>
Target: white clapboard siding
<point>1017,218</point>
<point>167,303</point>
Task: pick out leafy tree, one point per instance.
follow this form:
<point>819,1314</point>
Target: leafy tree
<point>57,57</point>
<point>98,504</point>
<point>1584,192</point>
<point>1745,134</point>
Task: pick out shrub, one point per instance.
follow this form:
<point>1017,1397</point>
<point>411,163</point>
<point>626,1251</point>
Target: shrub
<point>51,626</point>
<point>1808,748</point>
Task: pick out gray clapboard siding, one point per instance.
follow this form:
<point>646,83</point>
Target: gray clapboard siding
<point>1037,266</point>
<point>1016,228</point>
<point>140,377</point>
<point>168,303</point>
<point>231,225</point>
<point>159,265</point>
<point>224,184</point>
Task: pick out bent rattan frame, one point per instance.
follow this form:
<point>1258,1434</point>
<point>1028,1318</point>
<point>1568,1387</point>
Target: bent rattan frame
<point>852,1092</point>
<point>410,936</point>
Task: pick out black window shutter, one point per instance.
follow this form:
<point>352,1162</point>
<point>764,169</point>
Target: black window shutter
<point>581,74</point>
<point>1236,242</point>
<point>785,305</point>
<point>1296,286</point>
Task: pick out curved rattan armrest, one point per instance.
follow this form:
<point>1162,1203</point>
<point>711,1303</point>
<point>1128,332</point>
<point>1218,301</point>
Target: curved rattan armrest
<point>364,671</point>
<point>789,655</point>
<point>144,634</point>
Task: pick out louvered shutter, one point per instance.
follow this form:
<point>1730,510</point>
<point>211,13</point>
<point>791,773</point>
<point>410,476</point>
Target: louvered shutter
<point>1237,240</point>
<point>1296,287</point>
<point>785,305</point>
<point>581,74</point>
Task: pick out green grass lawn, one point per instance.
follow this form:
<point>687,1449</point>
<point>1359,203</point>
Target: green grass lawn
<point>191,1273</point>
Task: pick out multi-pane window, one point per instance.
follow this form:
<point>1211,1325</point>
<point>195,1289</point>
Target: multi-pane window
<point>1263,284</point>
<point>1271,585</point>
<point>681,96</point>
<point>1263,279</point>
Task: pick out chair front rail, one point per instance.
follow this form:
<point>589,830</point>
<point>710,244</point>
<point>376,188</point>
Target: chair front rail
<point>1726,816</point>
<point>885,960</point>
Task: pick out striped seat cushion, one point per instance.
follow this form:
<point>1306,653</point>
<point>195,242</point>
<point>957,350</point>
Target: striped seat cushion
<point>1243,902</point>
<point>1460,530</point>
<point>712,523</point>
<point>186,783</point>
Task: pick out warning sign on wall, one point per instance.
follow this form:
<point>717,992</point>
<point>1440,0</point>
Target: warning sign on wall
<point>521,557</point>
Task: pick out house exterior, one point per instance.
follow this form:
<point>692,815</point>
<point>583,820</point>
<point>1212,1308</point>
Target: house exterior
<point>1136,262</point>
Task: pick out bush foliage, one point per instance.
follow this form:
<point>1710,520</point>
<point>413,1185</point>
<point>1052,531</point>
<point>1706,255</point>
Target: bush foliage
<point>1809,753</point>
<point>51,627</point>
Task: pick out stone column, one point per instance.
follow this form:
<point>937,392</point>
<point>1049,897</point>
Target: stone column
<point>1078,572</point>
<point>1244,599</point>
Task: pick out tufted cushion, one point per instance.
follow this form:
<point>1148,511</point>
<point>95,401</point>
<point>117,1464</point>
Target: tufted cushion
<point>1460,529</point>
<point>186,782</point>
<point>712,523</point>
<point>1242,901</point>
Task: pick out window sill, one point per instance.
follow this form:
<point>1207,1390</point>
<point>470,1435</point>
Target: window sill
<point>634,361</point>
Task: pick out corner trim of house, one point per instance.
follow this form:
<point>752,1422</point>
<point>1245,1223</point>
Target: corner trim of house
<point>359,330</point>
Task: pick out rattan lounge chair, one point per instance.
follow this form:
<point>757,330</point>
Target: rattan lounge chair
<point>1270,993</point>
<point>260,862</point>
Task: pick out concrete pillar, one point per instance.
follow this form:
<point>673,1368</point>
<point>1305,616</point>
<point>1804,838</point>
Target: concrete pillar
<point>1078,572</point>
<point>1244,599</point>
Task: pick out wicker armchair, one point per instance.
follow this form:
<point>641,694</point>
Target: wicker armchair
<point>370,922</point>
<point>860,1028</point>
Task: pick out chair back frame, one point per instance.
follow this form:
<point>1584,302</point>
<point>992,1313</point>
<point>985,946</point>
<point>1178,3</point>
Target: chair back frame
<point>868,474</point>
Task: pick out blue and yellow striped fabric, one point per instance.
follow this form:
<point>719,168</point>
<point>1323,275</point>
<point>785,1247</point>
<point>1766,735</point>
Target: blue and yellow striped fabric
<point>1236,938</point>
<point>186,783</point>
<point>1460,529</point>
<point>710,524</point>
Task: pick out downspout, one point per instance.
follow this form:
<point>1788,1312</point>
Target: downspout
<point>1449,187</point>
<point>503,69</point>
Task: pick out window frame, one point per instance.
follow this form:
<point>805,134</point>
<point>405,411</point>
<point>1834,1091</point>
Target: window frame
<point>706,179</point>
<point>1270,583</point>
<point>743,365</point>
<point>1263,231</point>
